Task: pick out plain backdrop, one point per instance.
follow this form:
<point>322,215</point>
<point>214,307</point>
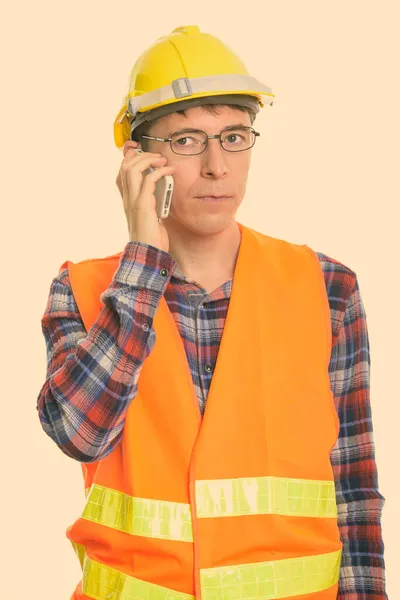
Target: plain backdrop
<point>324,172</point>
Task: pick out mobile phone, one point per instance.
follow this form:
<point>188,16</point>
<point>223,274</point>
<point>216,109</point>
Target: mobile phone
<point>162,193</point>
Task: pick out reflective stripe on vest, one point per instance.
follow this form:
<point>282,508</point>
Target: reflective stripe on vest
<point>272,579</point>
<point>214,498</point>
<point>139,516</point>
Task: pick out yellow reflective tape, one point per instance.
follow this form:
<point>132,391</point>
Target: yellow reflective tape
<point>80,551</point>
<point>274,579</point>
<point>265,495</point>
<point>139,516</point>
<point>103,583</point>
<point>214,498</point>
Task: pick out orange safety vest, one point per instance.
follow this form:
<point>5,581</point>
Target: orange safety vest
<point>239,504</point>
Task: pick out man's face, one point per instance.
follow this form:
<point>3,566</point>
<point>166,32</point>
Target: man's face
<point>213,172</point>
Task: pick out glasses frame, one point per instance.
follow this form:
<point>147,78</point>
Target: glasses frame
<point>208,137</point>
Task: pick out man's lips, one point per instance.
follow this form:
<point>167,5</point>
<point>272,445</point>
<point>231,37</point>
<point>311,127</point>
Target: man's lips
<point>213,197</point>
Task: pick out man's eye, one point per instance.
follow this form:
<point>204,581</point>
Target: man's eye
<point>192,139</point>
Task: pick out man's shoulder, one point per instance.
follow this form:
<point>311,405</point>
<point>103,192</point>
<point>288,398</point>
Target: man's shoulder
<point>335,270</point>
<point>340,282</point>
<point>63,272</point>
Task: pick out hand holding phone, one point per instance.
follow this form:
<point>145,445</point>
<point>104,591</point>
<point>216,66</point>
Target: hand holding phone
<point>145,207</point>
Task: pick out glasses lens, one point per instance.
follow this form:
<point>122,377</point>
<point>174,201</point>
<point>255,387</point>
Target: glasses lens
<point>235,140</point>
<point>188,142</point>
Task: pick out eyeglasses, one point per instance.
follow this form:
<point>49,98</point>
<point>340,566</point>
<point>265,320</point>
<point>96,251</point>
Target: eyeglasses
<point>195,141</point>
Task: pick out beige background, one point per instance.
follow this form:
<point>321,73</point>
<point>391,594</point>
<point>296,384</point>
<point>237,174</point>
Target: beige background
<point>324,172</point>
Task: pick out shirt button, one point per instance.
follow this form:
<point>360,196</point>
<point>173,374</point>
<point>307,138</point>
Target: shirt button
<point>146,327</point>
<point>164,272</point>
<point>209,368</point>
<point>204,305</point>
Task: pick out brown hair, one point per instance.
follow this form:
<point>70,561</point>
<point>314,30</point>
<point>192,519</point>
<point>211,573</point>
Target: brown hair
<point>144,128</point>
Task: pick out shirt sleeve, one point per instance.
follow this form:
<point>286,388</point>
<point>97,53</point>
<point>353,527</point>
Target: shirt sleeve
<point>359,501</point>
<point>93,376</point>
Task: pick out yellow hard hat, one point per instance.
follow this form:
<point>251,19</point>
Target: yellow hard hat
<point>190,68</point>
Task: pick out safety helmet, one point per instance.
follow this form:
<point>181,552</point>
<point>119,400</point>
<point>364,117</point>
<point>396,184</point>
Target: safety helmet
<point>184,69</point>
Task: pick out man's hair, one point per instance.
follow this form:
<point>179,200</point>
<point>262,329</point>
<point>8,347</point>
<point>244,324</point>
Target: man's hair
<point>144,128</point>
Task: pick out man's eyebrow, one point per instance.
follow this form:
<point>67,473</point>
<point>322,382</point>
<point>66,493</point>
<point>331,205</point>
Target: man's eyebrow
<point>188,129</point>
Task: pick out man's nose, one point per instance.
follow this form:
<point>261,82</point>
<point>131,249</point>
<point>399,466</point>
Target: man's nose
<point>214,158</point>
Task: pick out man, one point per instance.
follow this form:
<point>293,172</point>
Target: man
<point>263,484</point>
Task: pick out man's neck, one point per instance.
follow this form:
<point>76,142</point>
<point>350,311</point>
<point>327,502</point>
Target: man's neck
<point>205,258</point>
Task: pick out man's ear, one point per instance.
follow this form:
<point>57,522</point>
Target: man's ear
<point>129,144</point>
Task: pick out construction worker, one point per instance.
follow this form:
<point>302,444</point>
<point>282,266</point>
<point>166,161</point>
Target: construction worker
<point>206,376</point>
